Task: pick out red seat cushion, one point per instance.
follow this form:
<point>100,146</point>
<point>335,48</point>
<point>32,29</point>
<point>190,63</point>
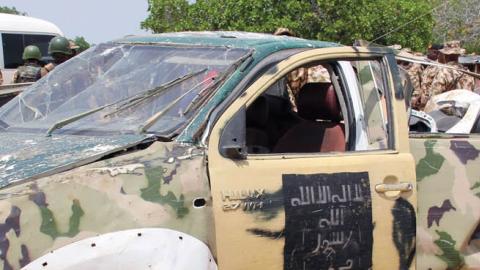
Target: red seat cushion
<point>321,131</point>
<point>311,137</point>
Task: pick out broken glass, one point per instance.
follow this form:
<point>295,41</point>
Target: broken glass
<point>113,73</point>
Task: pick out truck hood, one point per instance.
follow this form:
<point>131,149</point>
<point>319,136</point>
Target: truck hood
<point>25,156</point>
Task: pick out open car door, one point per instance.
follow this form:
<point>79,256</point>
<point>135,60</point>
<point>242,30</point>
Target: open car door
<point>349,206</point>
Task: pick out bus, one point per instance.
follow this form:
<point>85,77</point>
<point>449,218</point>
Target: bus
<point>17,32</point>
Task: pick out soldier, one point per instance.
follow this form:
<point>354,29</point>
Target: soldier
<point>414,71</point>
<point>31,71</point>
<point>436,80</point>
<point>59,49</point>
<point>299,77</point>
<point>433,51</point>
<point>74,47</point>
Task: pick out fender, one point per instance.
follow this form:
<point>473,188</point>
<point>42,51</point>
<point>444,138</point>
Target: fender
<point>147,248</point>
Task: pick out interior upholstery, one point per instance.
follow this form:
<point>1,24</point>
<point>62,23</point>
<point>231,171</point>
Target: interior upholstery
<point>319,101</point>
<point>321,129</point>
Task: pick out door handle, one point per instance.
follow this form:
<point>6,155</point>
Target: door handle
<point>402,187</point>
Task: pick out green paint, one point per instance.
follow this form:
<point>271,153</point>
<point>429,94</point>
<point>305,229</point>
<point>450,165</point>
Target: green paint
<point>74,222</point>
<point>476,185</point>
<point>450,255</point>
<point>431,163</point>
<point>49,225</point>
<point>152,192</point>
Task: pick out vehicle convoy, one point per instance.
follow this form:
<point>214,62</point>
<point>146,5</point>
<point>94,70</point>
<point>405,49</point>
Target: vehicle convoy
<point>189,151</point>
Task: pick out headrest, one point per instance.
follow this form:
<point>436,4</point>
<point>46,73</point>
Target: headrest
<point>318,101</point>
<point>257,113</point>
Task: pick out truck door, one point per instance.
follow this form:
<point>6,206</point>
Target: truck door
<point>314,172</point>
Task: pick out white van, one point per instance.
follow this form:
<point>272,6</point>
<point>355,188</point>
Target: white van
<point>17,32</point>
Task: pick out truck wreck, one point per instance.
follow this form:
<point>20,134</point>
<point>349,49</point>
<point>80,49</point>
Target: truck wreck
<point>145,149</point>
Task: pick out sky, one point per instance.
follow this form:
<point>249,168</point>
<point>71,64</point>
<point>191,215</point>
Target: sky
<point>96,20</point>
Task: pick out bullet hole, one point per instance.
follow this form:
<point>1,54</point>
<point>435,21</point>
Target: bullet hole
<point>180,237</point>
<point>93,245</point>
<point>44,264</point>
<point>199,202</point>
<point>139,234</point>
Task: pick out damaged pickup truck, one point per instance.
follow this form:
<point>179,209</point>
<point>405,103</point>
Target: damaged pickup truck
<point>204,150</point>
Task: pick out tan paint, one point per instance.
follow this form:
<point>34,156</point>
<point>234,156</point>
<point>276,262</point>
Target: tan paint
<point>242,250</point>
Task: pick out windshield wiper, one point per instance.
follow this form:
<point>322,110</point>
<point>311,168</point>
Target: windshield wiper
<point>198,99</point>
<point>145,126</point>
<point>153,92</point>
<point>127,101</point>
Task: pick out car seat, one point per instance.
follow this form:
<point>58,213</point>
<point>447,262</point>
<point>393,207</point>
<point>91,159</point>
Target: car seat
<point>321,129</point>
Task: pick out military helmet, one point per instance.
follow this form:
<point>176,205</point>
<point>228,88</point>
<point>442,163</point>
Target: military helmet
<point>32,52</point>
<point>59,45</point>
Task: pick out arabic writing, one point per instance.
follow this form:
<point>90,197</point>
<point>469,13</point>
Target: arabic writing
<point>328,221</point>
<point>323,195</point>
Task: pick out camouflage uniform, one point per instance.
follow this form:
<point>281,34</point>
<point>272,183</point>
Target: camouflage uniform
<point>449,79</point>
<point>436,80</point>
<point>301,76</point>
<point>29,72</point>
<point>415,73</point>
<point>426,83</point>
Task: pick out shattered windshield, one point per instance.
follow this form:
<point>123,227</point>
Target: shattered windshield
<point>122,88</point>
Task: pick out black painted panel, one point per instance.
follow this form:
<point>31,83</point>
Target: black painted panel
<point>328,221</point>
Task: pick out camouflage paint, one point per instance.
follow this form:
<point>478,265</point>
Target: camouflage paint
<point>449,255</point>
<point>448,201</point>
<point>431,163</point>
<point>154,187</point>
<point>152,192</point>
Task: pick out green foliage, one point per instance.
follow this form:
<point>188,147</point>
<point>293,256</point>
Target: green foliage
<point>341,21</point>
<point>458,20</point>
<point>11,10</point>
<point>82,43</point>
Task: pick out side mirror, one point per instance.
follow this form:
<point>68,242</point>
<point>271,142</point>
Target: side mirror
<point>232,140</point>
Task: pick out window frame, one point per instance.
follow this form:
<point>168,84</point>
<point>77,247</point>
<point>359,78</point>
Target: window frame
<point>334,63</point>
<point>388,86</point>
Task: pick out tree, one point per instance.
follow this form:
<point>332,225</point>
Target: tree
<point>458,20</point>
<point>334,20</point>
<point>81,43</point>
<point>11,10</point>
